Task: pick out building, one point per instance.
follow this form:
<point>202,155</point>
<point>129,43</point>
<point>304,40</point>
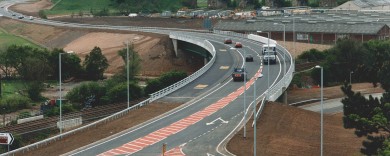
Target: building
<point>323,28</point>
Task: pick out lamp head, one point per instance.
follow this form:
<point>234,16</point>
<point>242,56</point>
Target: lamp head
<point>318,66</point>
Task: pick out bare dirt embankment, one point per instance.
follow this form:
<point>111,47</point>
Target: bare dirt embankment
<point>32,9</point>
<point>155,50</point>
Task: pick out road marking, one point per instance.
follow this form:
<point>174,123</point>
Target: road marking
<point>193,118</point>
<point>224,67</point>
<point>222,50</point>
<point>200,86</point>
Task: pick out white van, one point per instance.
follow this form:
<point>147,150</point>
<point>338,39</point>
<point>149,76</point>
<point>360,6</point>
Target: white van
<point>271,47</point>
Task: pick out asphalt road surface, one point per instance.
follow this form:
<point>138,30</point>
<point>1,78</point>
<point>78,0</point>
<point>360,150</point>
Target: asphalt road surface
<point>214,105</point>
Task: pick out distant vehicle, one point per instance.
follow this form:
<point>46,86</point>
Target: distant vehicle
<point>31,18</point>
<point>238,45</point>
<point>269,56</point>
<point>20,17</point>
<point>239,74</point>
<point>249,58</point>
<point>13,14</point>
<point>228,41</point>
<point>271,47</point>
<point>133,15</point>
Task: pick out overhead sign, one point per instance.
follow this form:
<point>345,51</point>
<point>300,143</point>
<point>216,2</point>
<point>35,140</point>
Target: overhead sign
<point>6,139</point>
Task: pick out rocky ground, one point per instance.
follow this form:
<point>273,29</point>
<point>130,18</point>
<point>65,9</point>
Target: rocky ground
<point>282,130</point>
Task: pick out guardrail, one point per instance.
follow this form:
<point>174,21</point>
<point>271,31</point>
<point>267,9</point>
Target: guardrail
<point>276,90</point>
<point>198,41</point>
<point>202,43</point>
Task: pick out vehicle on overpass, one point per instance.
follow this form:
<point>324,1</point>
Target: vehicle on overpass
<point>269,56</point>
<point>249,58</point>
<point>239,74</point>
<point>228,41</point>
<point>238,45</point>
<point>270,47</point>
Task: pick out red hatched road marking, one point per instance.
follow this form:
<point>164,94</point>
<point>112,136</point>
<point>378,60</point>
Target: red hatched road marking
<point>178,126</point>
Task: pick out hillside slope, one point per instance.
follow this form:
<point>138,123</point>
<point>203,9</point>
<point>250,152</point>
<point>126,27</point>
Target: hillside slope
<point>286,130</point>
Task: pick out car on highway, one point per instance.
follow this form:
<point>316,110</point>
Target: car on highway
<point>20,17</point>
<point>238,45</point>
<point>228,41</point>
<point>31,18</point>
<point>239,74</point>
<point>13,14</point>
<point>249,58</point>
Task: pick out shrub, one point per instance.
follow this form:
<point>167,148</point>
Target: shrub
<point>118,93</point>
<point>42,14</point>
<point>313,55</point>
<point>164,80</point>
<point>15,102</point>
<point>81,93</point>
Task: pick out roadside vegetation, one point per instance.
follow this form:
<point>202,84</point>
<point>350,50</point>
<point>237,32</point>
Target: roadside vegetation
<point>365,62</point>
<point>28,71</point>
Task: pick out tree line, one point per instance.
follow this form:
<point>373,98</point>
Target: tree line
<point>369,62</point>
<point>35,66</point>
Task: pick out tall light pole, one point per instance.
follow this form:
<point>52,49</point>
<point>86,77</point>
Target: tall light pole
<point>60,82</point>
<point>322,108</point>
<point>284,42</point>
<point>127,68</point>
<point>244,93</point>
<point>268,62</point>
<point>350,78</point>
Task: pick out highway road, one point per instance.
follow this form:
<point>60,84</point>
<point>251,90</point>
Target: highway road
<point>214,104</point>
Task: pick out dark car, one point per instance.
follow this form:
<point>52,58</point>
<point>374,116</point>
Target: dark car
<point>249,58</point>
<point>239,74</point>
<point>228,41</point>
<point>20,17</point>
<point>238,45</point>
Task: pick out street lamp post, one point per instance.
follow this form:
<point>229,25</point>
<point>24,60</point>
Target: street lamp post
<point>322,108</point>
<point>284,42</point>
<point>350,78</point>
<point>127,68</point>
<point>245,95</point>
<point>268,62</point>
<point>60,82</point>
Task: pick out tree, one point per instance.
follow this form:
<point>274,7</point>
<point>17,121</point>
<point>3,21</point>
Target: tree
<point>83,92</point>
<point>70,64</point>
<point>134,62</point>
<point>346,56</point>
<point>367,116</point>
<point>95,64</point>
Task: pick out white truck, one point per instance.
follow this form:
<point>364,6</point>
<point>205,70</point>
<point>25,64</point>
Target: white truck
<point>269,56</point>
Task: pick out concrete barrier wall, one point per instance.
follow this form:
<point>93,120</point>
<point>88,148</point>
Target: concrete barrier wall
<point>29,119</point>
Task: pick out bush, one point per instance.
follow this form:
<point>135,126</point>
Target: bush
<point>313,55</point>
<point>164,80</point>
<point>34,90</point>
<point>81,93</point>
<point>152,86</point>
<point>15,102</point>
<point>42,14</point>
<point>118,93</point>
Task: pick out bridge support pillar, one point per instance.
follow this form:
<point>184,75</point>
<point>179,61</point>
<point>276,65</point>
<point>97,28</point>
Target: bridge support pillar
<point>284,96</point>
<point>174,41</point>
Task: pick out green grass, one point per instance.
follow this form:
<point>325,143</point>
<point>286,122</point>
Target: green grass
<point>10,87</point>
<point>7,39</point>
<point>69,6</point>
<point>202,3</point>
